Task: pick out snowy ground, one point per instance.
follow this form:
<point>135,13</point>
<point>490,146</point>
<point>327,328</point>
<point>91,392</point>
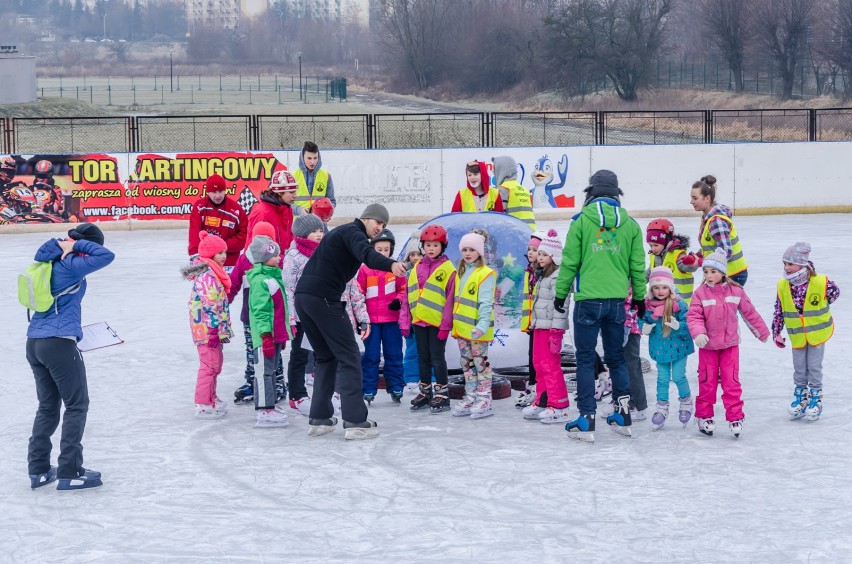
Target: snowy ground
<point>431,487</point>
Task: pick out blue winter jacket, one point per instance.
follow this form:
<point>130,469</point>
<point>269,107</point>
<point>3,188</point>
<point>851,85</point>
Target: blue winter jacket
<point>676,346</point>
<point>63,318</point>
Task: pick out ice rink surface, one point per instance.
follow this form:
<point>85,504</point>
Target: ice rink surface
<point>430,487</point>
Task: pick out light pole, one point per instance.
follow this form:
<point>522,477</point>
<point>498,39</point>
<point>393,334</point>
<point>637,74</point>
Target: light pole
<point>171,72</point>
<point>300,75</point>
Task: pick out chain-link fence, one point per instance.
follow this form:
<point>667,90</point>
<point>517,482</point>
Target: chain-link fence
<point>731,126</point>
<point>198,133</point>
<point>653,128</point>
<point>543,129</point>
<point>833,125</point>
<point>71,135</point>
<point>414,131</point>
<point>329,132</point>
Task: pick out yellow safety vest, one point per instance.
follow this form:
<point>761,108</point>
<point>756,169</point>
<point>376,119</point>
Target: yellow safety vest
<point>466,311</point>
<point>469,204</point>
<point>526,311</point>
<point>520,202</point>
<point>427,304</point>
<point>305,198</point>
<point>814,325</point>
<point>684,281</point>
<point>737,262</point>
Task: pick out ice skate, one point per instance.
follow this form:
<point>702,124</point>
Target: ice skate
<point>244,394</point>
<point>582,428</point>
<point>319,427</point>
<point>800,403</point>
<point>39,480</point>
<point>462,409</point>
<point>89,479</point>
<point>638,414</point>
<point>280,389</point>
<point>531,412</point>
<point>620,420</point>
<point>369,398</point>
<point>814,409</point>
<point>603,386</point>
<point>301,405</point>
<point>706,426</point>
<point>335,402</point>
<point>272,417</point>
<point>422,399</point>
<point>684,413</point>
<point>482,407</point>
<point>660,415</point>
<point>360,431</point>
<point>736,427</point>
<point>396,396</point>
<point>554,415</point>
<point>440,399</point>
<point>309,380</point>
<point>218,409</point>
<point>526,397</point>
<point>606,409</point>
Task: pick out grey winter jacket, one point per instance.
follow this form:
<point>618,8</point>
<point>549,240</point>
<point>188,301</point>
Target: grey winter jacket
<point>544,315</point>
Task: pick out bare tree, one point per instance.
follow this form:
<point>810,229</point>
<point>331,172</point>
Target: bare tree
<point>727,23</point>
<point>782,29</point>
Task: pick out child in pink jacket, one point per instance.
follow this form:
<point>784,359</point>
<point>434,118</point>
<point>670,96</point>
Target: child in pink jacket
<point>384,294</point>
<point>712,321</point>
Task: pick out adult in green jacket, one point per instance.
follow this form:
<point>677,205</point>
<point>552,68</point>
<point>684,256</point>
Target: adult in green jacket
<point>602,257</point>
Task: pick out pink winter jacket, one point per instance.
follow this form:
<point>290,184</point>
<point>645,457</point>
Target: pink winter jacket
<point>713,312</point>
<point>380,288</point>
<point>425,267</point>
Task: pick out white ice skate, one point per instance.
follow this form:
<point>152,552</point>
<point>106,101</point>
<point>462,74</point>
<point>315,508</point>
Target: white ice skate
<point>482,408</point>
<point>554,415</point>
<point>215,411</point>
<point>736,427</point>
<point>660,415</point>
<point>531,412</point>
<point>706,425</point>
<point>814,409</point>
<point>301,406</point>
<point>526,397</point>
<point>462,409</point>
<point>800,403</point>
<point>274,417</point>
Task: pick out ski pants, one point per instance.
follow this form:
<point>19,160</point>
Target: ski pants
<point>60,377</point>
<point>714,366</point>
<point>551,389</point>
<point>264,385</point>
<point>209,368</point>
<point>540,391</point>
<point>385,340</point>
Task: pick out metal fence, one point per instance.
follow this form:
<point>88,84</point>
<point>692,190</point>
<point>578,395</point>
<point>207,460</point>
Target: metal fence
<point>399,131</point>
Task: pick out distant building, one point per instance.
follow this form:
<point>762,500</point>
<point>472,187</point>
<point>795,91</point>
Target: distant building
<point>18,76</point>
<point>224,14</point>
<point>322,9</point>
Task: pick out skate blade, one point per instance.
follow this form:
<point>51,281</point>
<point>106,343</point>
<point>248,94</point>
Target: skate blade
<point>708,433</point>
<point>582,436</point>
<point>461,413</point>
<point>361,434</point>
<point>553,421</point>
<point>271,425</point>
<point>656,427</point>
<point>439,409</point>
<point>481,415</point>
<point>320,430</point>
<point>622,431</point>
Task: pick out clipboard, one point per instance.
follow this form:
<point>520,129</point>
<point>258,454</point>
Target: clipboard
<point>97,336</point>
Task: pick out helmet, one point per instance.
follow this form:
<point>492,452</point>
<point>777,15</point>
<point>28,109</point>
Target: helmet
<point>44,168</point>
<point>659,231</point>
<point>21,199</point>
<point>282,181</point>
<point>434,233</point>
<point>8,167</point>
<point>323,209</point>
<point>385,235</point>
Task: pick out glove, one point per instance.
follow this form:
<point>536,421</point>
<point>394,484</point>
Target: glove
<point>658,312</point>
<point>559,305</point>
<point>394,305</point>
<point>476,333</point>
<point>405,332</point>
<point>674,324</point>
<point>780,341</point>
<point>701,341</point>
<point>444,333</point>
<point>362,327</point>
<point>647,328</point>
<point>293,330</point>
<point>213,339</point>
<point>268,345</point>
<point>639,306</point>
<point>555,340</point>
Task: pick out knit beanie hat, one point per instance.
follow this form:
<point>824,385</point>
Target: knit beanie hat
<point>797,254</point>
<point>603,184</point>
<point>662,276</point>
<point>263,228</point>
<point>215,183</point>
<point>552,246</point>
<point>89,232</point>
<point>717,260</point>
<point>306,224</point>
<point>377,212</point>
<point>210,245</point>
<point>473,241</point>
<point>658,236</point>
<point>536,238</point>
<point>413,244</point>
<point>262,249</point>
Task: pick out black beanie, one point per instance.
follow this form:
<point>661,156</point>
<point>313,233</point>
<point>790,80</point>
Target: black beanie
<point>603,184</point>
<point>89,232</point>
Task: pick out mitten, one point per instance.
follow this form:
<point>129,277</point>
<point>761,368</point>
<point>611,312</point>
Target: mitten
<point>639,306</point>
<point>476,333</point>
<point>647,328</point>
<point>293,330</point>
<point>701,341</point>
<point>405,332</point>
<point>780,341</point>
<point>690,260</point>
<point>444,333</point>
<point>394,305</point>
<point>268,345</point>
<point>673,323</point>
<point>559,305</point>
<point>555,340</point>
<point>213,339</point>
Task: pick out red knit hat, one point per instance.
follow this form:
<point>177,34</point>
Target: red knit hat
<point>215,183</point>
<point>210,245</point>
<point>263,228</point>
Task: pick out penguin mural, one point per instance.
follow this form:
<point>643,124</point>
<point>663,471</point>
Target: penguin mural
<point>542,177</point>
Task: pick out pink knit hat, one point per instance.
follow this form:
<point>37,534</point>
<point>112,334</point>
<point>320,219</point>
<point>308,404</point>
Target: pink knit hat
<point>473,241</point>
<point>552,246</point>
<point>210,245</point>
<point>661,276</point>
<point>263,228</point>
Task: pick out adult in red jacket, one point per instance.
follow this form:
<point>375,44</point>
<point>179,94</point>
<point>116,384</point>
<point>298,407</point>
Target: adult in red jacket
<point>218,214</point>
<point>276,208</point>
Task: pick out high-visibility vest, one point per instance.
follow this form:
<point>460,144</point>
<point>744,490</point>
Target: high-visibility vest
<point>520,202</point>
<point>684,281</point>
<point>466,310</point>
<point>526,308</point>
<point>427,304</point>
<point>814,325</point>
<point>305,198</point>
<point>737,262</point>
<point>469,204</point>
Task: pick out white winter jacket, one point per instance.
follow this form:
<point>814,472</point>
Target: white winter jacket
<point>544,315</point>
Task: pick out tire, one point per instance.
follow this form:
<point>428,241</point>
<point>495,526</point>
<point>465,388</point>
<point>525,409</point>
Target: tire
<point>500,388</point>
<point>518,376</point>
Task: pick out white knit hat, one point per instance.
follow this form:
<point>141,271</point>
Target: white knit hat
<point>473,241</point>
<point>412,245</point>
<point>552,246</point>
<point>717,260</point>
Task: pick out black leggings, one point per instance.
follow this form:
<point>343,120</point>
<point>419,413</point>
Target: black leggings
<point>430,355</point>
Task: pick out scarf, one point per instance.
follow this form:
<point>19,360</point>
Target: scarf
<point>306,246</point>
<point>219,272</point>
<point>799,277</point>
<point>658,307</point>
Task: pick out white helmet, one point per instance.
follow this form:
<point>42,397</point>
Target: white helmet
<point>282,181</point>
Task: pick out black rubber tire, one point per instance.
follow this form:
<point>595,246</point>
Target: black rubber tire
<point>518,376</point>
<point>500,388</point>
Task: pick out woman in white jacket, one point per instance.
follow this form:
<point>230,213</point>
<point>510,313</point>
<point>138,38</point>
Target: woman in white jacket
<point>548,326</point>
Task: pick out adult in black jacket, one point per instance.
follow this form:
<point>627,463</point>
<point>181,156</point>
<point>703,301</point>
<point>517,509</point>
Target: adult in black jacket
<point>323,315</point>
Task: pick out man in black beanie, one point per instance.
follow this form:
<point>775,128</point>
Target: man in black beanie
<point>327,326</point>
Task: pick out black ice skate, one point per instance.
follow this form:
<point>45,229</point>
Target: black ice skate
<point>422,399</point>
<point>440,399</point>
